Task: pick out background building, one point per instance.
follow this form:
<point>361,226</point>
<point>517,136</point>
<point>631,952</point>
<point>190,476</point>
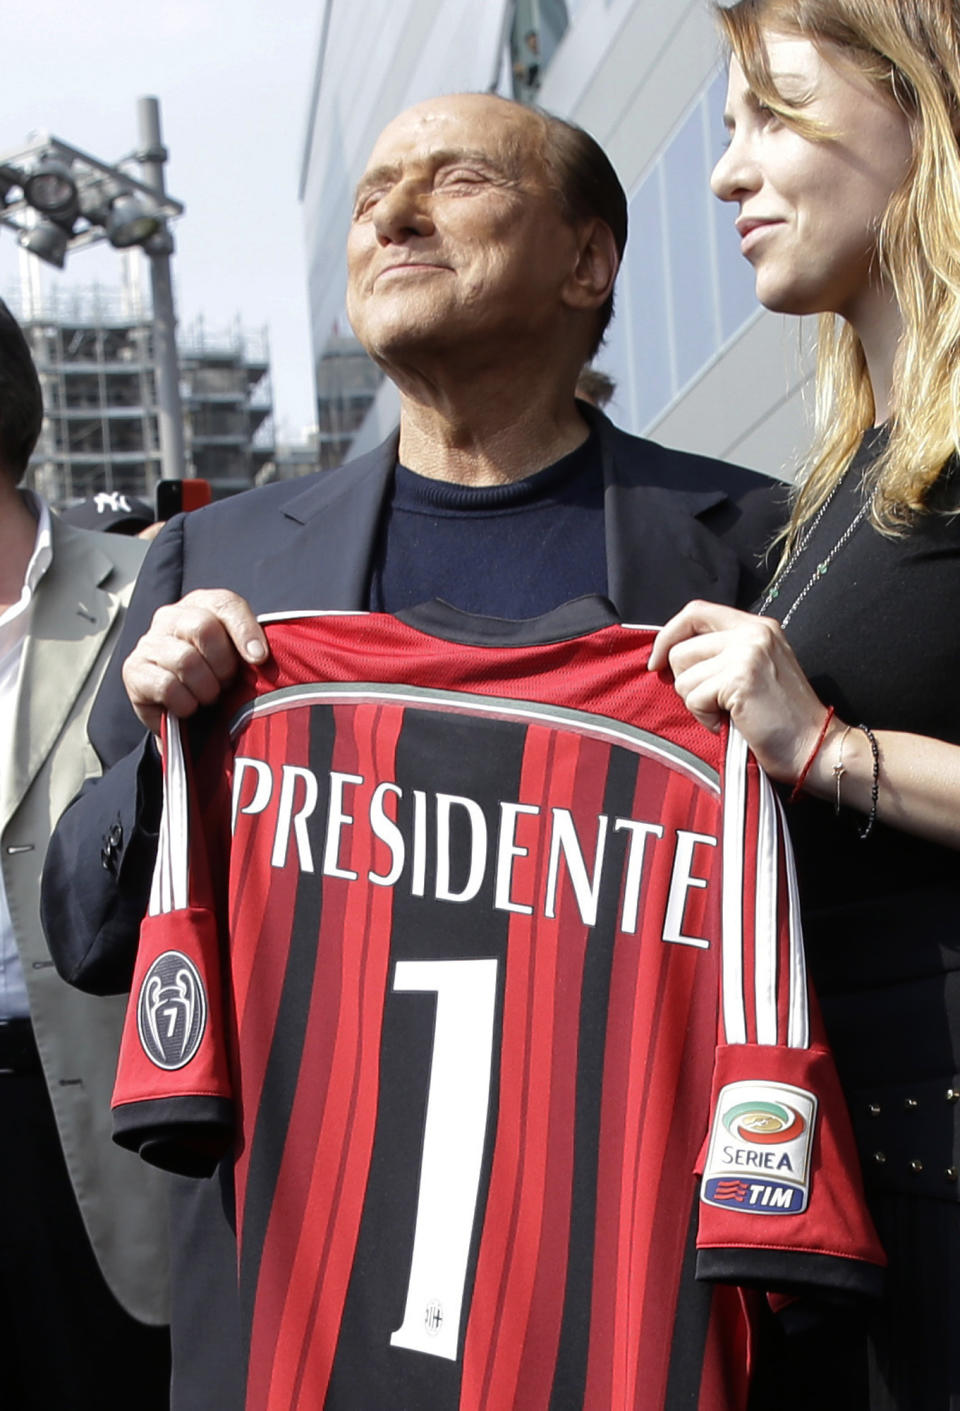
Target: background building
<point>228,413</point>
<point>698,364</point>
<point>290,460</point>
<point>347,383</point>
<point>94,352</point>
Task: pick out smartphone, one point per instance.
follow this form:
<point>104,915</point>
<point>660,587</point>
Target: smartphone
<point>174,496</point>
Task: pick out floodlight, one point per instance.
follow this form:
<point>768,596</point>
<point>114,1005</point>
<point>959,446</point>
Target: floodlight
<point>59,199</point>
<point>50,188</point>
<point>46,240</point>
<point>9,180</point>
<point>160,242</point>
<point>129,222</point>
<point>95,200</point>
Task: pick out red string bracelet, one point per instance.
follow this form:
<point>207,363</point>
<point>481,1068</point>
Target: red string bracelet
<point>795,792</point>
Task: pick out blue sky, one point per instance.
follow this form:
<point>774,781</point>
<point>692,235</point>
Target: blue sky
<point>233,81</point>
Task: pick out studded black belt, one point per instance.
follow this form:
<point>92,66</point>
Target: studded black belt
<point>909,1136</point>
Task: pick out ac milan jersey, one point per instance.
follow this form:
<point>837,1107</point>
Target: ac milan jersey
<point>483,959</point>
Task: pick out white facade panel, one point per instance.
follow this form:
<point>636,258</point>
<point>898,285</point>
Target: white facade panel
<point>710,416</point>
<point>378,58</point>
<point>698,365</point>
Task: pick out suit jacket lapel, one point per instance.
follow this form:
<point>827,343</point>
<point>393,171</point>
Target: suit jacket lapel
<point>330,540</point>
<point>71,615</point>
<point>659,555</point>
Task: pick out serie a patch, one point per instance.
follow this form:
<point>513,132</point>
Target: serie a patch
<point>760,1148</point>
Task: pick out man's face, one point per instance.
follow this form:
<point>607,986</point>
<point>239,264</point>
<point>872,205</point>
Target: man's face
<point>456,234</point>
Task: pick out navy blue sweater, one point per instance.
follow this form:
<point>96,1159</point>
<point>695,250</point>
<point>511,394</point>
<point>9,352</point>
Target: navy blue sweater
<point>509,551</point>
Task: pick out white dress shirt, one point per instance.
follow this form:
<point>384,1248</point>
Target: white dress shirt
<point>14,630</point>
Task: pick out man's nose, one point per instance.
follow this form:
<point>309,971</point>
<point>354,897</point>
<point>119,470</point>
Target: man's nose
<point>402,212</point>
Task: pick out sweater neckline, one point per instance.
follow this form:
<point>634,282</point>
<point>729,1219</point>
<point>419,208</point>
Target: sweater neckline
<point>413,491</point>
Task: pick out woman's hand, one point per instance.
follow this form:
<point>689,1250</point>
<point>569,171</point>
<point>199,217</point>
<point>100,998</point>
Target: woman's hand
<point>725,661</point>
<point>730,662</point>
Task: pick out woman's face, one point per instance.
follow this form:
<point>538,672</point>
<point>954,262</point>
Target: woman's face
<point>810,211</point>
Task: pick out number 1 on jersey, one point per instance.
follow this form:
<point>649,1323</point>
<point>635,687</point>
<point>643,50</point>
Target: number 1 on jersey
<point>456,1121</point>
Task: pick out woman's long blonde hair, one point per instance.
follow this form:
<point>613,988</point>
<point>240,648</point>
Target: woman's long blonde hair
<point>911,50</point>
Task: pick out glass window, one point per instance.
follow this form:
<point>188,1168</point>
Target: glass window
<point>122,389</point>
<point>734,274</point>
<point>538,26</point>
<point>129,479</point>
<point>126,436</point>
<point>217,380</point>
<point>79,345</point>
<point>85,437</point>
<point>651,336</point>
<point>90,480</point>
<point>688,247</point>
<point>82,390</point>
<point>684,289</point>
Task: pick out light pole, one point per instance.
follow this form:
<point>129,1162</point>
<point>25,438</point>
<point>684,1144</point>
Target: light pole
<point>159,248</point>
<point>58,199</point>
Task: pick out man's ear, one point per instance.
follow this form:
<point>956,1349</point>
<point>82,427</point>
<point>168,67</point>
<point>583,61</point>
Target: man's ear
<point>591,279</point>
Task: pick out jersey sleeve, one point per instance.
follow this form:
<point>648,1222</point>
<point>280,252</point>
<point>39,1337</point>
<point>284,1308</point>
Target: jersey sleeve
<point>781,1199</point>
<point>172,1101</point>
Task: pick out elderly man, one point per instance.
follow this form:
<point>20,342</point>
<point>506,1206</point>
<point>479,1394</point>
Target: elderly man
<point>483,251</point>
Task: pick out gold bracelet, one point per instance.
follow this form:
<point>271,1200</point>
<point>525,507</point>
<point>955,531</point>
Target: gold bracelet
<point>839,769</point>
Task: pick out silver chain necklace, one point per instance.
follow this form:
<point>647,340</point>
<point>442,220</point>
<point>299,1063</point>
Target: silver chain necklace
<point>820,571</point>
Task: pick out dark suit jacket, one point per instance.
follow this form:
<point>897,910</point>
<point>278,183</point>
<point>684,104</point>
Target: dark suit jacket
<point>677,527</point>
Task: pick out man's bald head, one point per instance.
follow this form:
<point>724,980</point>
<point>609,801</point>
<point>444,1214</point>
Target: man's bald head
<point>488,150</point>
<point>581,173</point>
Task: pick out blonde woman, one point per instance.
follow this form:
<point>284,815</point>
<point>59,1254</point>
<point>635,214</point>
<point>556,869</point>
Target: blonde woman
<point>843,169</point>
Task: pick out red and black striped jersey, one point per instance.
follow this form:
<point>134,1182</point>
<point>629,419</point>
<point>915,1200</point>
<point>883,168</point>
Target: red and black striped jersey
<point>483,959</point>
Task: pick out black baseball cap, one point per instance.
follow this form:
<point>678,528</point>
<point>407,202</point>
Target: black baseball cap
<point>111,512</point>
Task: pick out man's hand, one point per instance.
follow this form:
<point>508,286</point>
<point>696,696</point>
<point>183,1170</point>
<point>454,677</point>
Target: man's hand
<point>192,650</point>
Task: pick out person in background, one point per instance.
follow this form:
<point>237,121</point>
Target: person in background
<point>526,68</point>
<point>482,255</point>
<point>83,1296</point>
<point>111,512</point>
<point>844,170</point>
<point>595,387</point>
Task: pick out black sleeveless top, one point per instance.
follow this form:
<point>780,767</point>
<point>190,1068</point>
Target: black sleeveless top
<point>878,636</point>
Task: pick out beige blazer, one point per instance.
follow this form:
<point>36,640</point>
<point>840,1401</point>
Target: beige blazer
<point>76,617</point>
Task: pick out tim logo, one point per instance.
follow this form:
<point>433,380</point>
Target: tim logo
<point>171,1010</point>
<point>735,1191</point>
<point>765,1197</point>
<point>433,1318</point>
<point>764,1123</point>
